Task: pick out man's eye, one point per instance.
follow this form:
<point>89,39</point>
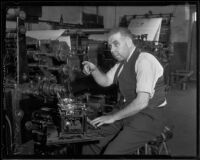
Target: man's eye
<point>116,44</point>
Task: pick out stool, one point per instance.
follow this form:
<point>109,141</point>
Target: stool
<point>157,146</point>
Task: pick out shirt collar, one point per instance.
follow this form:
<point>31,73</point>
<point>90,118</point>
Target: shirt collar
<point>130,54</point>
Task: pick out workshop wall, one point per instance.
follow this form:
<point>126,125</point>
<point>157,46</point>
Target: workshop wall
<point>71,14</point>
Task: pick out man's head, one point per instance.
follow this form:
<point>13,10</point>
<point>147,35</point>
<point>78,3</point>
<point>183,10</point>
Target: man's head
<point>120,42</point>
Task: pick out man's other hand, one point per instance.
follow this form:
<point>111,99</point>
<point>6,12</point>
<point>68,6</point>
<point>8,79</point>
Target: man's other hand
<point>88,67</point>
<point>103,120</point>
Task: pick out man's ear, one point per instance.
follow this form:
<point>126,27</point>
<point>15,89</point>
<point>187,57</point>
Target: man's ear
<point>129,41</point>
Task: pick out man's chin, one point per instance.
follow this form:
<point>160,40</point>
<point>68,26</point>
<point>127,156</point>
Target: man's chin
<point>119,59</point>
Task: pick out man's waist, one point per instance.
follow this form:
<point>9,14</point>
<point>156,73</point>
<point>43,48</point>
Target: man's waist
<point>124,102</point>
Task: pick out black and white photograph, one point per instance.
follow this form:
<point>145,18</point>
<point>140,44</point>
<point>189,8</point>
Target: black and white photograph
<point>100,80</point>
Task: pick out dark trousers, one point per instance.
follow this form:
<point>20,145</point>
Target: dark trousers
<point>124,137</point>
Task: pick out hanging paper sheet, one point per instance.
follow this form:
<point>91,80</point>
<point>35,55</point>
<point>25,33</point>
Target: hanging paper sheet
<point>45,34</point>
<point>149,26</point>
<point>49,35</point>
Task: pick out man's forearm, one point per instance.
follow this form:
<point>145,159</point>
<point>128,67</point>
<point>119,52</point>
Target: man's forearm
<point>100,78</point>
<point>134,107</point>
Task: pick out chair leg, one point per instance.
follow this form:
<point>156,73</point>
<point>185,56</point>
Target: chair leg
<point>146,149</point>
<point>160,149</point>
<point>138,151</point>
<point>166,148</point>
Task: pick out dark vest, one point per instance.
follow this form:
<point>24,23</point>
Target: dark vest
<point>127,82</point>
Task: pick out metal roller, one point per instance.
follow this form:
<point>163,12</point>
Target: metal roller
<point>51,89</point>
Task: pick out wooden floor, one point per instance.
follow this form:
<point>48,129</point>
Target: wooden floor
<point>182,114</point>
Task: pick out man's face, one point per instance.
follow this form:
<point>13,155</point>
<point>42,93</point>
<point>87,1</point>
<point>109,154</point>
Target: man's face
<point>118,47</point>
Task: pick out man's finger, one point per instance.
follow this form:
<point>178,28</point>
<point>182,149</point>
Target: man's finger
<point>95,120</point>
<point>85,72</point>
<point>94,123</point>
<point>85,62</point>
<point>98,125</point>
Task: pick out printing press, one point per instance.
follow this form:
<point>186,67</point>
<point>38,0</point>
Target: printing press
<point>48,101</point>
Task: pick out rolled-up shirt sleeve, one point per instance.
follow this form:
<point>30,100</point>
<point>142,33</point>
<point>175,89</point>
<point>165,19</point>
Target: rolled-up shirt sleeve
<point>148,70</point>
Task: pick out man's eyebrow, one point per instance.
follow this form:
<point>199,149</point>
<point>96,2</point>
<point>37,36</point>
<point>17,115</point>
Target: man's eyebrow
<point>115,41</point>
